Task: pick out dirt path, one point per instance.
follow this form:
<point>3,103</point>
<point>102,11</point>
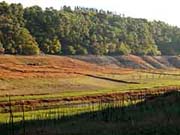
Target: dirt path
<point>110,79</point>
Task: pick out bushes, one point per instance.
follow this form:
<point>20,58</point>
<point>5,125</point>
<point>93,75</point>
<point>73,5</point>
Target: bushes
<point>1,48</point>
<point>123,49</point>
<point>30,50</point>
<point>51,46</point>
<point>26,44</point>
<point>69,50</point>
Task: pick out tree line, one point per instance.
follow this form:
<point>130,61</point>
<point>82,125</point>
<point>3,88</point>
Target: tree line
<point>81,31</point>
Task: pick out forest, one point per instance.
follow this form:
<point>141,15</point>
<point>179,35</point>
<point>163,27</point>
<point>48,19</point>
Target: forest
<point>82,31</point>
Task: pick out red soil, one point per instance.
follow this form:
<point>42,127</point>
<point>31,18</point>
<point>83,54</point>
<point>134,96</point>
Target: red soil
<point>50,66</point>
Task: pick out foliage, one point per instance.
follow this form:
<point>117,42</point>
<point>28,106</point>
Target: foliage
<point>51,46</point>
<point>70,50</point>
<point>26,43</point>
<point>15,38</point>
<point>1,48</point>
<point>123,49</point>
<point>85,31</point>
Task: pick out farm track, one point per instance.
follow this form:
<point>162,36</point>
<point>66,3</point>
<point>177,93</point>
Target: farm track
<point>110,79</point>
<point>38,104</point>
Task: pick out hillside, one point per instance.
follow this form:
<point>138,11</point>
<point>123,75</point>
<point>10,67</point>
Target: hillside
<point>65,66</point>
<point>132,61</point>
<point>52,66</point>
<point>20,75</point>
<point>43,87</point>
<point>62,66</point>
<point>82,31</point>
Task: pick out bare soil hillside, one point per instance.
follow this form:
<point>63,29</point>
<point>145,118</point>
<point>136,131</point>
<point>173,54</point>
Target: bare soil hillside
<point>65,66</point>
<point>50,66</point>
<point>131,61</point>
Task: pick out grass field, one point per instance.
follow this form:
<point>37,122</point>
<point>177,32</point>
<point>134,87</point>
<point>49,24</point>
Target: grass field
<point>51,87</point>
<point>159,116</point>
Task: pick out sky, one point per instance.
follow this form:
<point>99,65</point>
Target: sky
<point>164,10</point>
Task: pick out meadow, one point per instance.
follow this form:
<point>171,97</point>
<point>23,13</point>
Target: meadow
<point>37,94</point>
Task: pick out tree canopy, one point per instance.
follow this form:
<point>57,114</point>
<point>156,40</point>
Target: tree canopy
<point>82,31</point>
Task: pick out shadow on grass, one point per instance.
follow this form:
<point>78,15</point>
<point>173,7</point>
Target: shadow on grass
<point>156,116</point>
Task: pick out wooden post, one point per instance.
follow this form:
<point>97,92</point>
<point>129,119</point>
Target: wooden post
<point>11,119</point>
<point>23,118</point>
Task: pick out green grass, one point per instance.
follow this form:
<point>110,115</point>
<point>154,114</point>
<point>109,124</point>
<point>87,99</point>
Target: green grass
<point>46,114</point>
<point>62,111</point>
<point>159,116</point>
<point>59,87</point>
<point>77,86</point>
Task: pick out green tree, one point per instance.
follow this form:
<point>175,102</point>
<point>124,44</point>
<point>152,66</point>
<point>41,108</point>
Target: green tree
<point>81,50</point>
<point>70,50</point>
<point>25,44</point>
<point>1,48</point>
<point>51,46</point>
<point>83,31</point>
<point>123,49</point>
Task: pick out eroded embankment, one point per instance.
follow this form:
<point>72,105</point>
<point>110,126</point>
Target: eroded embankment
<point>132,61</point>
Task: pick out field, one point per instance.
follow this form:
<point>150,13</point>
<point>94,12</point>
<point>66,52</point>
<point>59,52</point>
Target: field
<point>59,94</point>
